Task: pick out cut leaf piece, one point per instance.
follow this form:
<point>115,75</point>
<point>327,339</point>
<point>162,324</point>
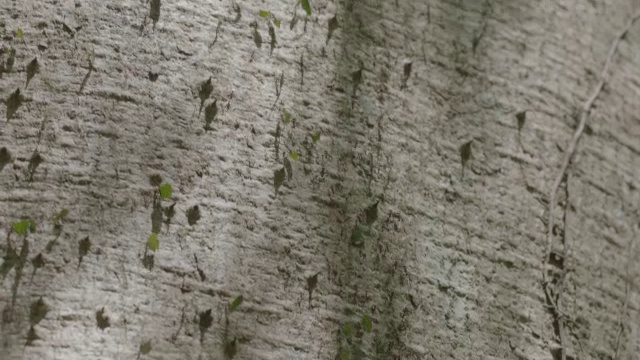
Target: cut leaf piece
<point>13,103</point>
<point>236,303</point>
<point>21,227</point>
<point>367,323</point>
<point>465,153</point>
<point>62,215</point>
<point>193,215</point>
<point>306,6</point>
<point>32,69</point>
<point>371,213</point>
<point>166,190</point>
<point>348,329</point>
<point>357,236</point>
<point>521,117</point>
<point>102,320</point>
<point>286,117</point>
<point>278,179</point>
<point>152,242</point>
<point>332,25</point>
<point>289,168</point>
<point>145,347</point>
<point>38,311</point>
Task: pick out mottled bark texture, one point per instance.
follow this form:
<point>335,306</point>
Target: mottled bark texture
<point>372,179</point>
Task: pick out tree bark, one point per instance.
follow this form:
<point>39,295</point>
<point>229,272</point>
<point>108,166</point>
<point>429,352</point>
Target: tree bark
<point>368,181</point>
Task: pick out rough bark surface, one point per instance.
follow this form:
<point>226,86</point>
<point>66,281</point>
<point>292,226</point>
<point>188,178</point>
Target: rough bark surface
<point>371,179</point>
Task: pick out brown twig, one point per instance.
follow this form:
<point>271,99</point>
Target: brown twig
<point>584,114</point>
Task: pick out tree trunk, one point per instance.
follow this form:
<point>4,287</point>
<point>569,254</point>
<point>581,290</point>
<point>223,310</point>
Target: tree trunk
<point>372,180</point>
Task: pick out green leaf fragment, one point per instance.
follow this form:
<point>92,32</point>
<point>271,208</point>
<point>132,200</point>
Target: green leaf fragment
<point>286,117</point>
<point>152,242</point>
<point>265,14</point>
<point>21,227</point>
<point>19,33</point>
<point>315,137</point>
<point>348,329</point>
<point>166,190</point>
<point>276,22</point>
<point>306,6</point>
<point>236,303</point>
<point>145,347</point>
<point>345,353</point>
<point>367,323</point>
<point>294,155</point>
<point>38,311</point>
<point>62,215</point>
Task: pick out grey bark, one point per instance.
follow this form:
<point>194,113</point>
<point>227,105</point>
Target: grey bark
<point>373,181</point>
